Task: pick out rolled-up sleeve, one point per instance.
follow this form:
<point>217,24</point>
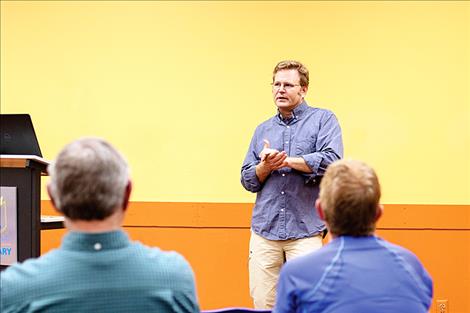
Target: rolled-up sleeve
<point>249,179</point>
<point>328,147</point>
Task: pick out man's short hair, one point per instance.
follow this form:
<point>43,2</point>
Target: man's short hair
<point>293,65</point>
<point>349,197</point>
<point>88,179</point>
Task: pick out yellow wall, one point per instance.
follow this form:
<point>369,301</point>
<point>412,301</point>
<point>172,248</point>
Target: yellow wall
<point>180,86</point>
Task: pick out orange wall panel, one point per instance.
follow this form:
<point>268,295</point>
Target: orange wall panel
<point>214,238</point>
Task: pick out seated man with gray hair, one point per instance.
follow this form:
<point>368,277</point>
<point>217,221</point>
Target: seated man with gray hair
<point>357,271</point>
<point>97,268</point>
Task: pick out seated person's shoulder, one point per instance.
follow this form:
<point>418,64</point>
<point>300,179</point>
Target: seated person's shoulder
<point>28,270</point>
<point>20,281</point>
<point>161,255</point>
<point>170,262</point>
<point>400,252</point>
<point>406,258</point>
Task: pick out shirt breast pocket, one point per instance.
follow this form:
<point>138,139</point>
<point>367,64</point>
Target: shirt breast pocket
<point>305,146</point>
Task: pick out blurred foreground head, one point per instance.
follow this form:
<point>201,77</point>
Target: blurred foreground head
<point>88,180</point>
<point>349,198</point>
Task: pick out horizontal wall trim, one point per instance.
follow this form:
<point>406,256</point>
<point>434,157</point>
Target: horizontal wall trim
<point>186,227</point>
<point>238,215</point>
<point>417,229</point>
<point>247,228</point>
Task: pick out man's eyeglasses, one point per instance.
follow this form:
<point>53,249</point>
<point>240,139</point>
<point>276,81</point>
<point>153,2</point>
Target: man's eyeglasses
<point>286,86</point>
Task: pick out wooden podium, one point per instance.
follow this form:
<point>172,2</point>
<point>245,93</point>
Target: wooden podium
<point>24,172</point>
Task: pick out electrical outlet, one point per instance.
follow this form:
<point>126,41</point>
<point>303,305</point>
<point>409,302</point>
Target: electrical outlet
<point>442,306</point>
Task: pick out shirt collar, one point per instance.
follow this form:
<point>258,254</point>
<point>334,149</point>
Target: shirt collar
<point>296,113</point>
<point>96,242</point>
<point>356,242</point>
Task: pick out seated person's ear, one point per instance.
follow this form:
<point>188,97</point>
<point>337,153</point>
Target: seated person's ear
<point>52,198</point>
<point>127,195</point>
<point>378,213</point>
<point>319,209</point>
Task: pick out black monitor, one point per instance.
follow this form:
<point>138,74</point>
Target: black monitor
<point>17,136</point>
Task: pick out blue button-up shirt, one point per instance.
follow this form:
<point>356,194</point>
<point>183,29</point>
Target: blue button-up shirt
<point>284,207</point>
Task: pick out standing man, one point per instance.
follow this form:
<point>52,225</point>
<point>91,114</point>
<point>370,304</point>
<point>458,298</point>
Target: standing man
<point>287,157</point>
<point>97,268</point>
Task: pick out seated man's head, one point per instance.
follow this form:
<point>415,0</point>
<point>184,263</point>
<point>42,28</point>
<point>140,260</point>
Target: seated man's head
<point>89,181</point>
<point>349,199</point>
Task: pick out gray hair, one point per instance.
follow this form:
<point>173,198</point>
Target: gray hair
<point>88,179</point>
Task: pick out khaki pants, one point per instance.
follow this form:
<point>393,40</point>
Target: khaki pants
<point>265,261</point>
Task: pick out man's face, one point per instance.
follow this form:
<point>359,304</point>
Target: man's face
<point>287,92</point>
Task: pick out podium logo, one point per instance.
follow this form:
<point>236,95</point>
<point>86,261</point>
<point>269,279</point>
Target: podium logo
<point>5,251</point>
<point>8,225</point>
<point>4,216</point>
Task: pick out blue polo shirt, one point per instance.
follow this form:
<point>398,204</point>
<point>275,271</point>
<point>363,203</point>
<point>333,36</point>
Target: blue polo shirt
<point>355,275</point>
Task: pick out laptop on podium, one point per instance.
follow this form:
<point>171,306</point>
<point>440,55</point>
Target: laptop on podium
<point>17,136</point>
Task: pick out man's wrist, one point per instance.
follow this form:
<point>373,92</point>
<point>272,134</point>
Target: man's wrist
<point>262,171</point>
<point>262,168</point>
<point>289,161</point>
<point>299,164</point>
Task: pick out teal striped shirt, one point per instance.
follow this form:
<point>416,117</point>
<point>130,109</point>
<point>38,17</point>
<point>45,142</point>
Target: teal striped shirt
<point>103,272</point>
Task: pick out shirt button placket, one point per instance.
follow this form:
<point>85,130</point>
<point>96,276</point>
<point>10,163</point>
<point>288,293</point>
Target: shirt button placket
<point>286,140</point>
<point>282,216</point>
<point>282,210</point>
